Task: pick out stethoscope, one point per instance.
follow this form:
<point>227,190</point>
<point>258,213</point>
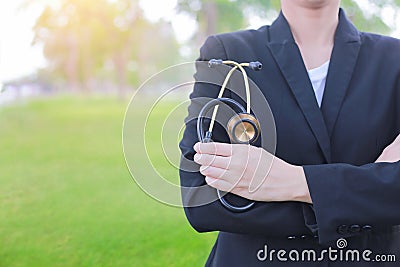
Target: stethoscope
<point>242,128</point>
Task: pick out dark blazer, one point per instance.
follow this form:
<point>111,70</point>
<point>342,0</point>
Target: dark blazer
<point>354,198</point>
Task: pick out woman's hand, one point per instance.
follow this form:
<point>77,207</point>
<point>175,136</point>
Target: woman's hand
<point>391,153</point>
<point>251,172</point>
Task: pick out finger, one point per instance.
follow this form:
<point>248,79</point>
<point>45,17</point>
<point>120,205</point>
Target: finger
<point>214,148</point>
<point>397,141</point>
<point>213,172</point>
<point>219,184</point>
<point>223,175</point>
<point>212,160</point>
<point>242,192</point>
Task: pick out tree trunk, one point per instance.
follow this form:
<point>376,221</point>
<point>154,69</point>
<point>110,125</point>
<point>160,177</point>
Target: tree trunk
<point>120,63</point>
<point>72,65</point>
<point>208,21</point>
<point>211,11</point>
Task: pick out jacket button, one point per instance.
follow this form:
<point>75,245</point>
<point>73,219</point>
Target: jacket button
<point>343,229</point>
<point>367,228</point>
<point>304,237</point>
<point>291,237</point>
<point>355,228</point>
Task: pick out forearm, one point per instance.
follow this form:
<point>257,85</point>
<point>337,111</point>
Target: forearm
<point>345,195</point>
<point>278,219</point>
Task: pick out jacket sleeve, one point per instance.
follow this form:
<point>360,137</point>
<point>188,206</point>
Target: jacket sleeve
<point>268,219</point>
<point>352,200</point>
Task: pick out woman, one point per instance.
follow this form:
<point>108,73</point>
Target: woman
<point>335,96</point>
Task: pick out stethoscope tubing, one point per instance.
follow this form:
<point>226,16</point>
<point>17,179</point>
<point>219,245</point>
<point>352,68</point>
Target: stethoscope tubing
<point>206,138</point>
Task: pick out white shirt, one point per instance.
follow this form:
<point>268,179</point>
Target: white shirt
<point>318,80</point>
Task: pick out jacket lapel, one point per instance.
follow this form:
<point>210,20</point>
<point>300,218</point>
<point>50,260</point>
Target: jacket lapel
<point>288,57</point>
<point>343,61</point>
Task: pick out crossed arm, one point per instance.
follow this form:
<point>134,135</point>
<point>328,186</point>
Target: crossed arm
<point>335,190</point>
<point>253,173</point>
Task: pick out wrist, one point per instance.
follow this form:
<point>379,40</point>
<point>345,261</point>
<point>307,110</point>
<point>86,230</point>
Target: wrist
<point>300,190</point>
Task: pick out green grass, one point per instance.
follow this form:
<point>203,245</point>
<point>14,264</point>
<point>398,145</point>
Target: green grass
<point>67,199</point>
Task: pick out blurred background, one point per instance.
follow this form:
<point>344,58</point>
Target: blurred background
<point>67,71</point>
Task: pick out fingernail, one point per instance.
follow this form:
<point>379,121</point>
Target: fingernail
<point>196,157</point>
<point>209,180</point>
<point>203,169</point>
<point>196,147</point>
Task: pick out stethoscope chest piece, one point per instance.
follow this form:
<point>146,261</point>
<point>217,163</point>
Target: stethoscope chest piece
<point>243,128</point>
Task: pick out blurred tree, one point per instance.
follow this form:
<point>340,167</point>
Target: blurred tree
<point>89,41</point>
<point>236,14</point>
<point>215,16</point>
<point>90,44</point>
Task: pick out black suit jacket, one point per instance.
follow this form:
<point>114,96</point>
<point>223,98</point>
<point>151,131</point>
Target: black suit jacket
<point>337,144</point>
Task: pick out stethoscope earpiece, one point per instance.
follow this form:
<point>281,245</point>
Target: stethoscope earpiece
<point>243,128</point>
<point>255,66</point>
